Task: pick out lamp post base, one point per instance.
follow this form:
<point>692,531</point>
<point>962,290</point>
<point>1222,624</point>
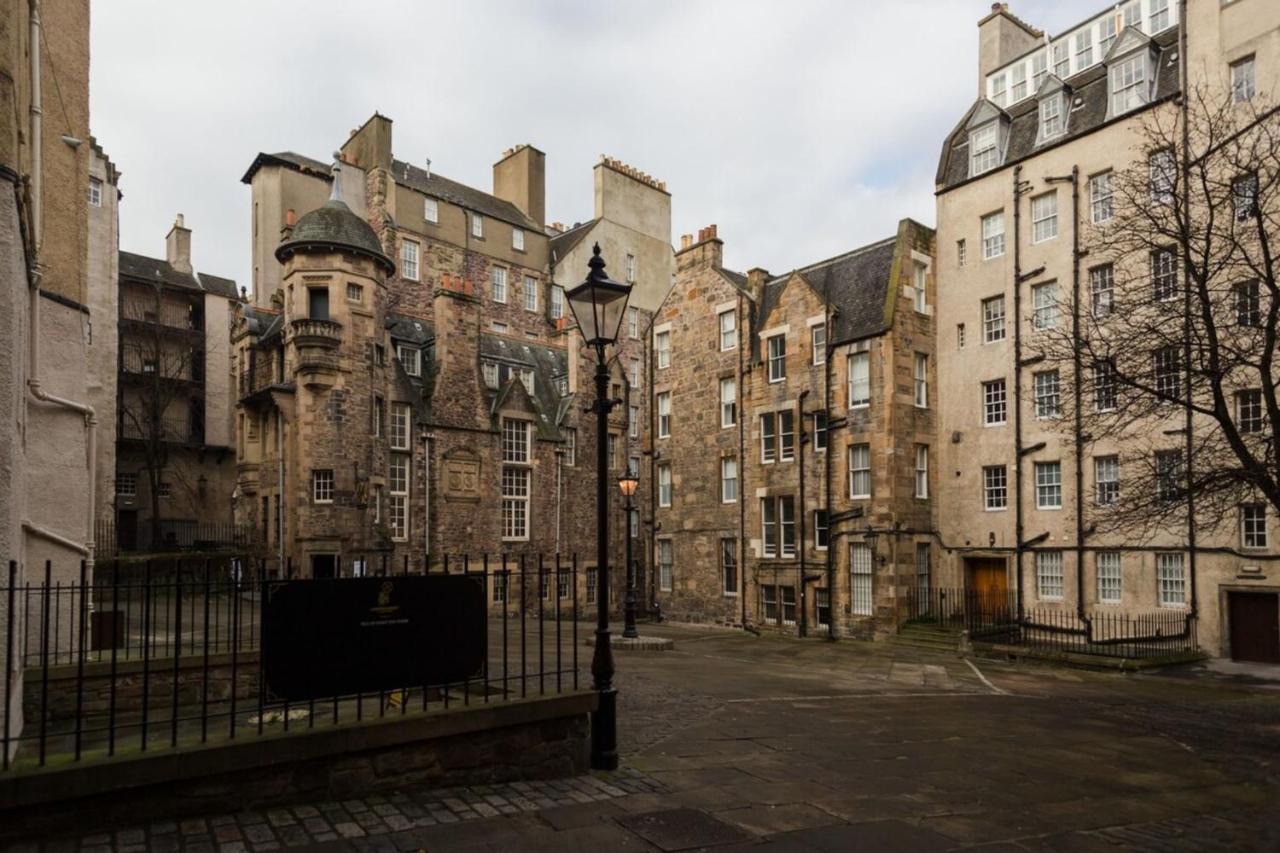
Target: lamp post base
<point>604,732</point>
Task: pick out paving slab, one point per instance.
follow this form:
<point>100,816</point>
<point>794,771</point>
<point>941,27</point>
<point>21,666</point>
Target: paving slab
<point>682,829</point>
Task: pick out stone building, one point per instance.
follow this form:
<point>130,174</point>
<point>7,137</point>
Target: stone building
<point>411,387</point>
<point>175,469</point>
<point>57,233</point>
<point>794,430</point>
<point>1053,114</point>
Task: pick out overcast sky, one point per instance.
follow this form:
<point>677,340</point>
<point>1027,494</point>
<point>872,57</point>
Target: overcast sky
<point>802,129</point>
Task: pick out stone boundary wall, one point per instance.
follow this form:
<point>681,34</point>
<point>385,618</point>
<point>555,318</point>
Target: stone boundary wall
<point>540,738</point>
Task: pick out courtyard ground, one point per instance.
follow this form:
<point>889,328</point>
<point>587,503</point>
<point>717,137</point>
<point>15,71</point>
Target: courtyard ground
<point>735,742</point>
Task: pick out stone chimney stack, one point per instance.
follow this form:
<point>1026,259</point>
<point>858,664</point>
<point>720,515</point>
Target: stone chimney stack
<point>177,246</point>
<point>756,277</point>
<point>520,177</point>
<point>705,252</point>
<point>1001,38</point>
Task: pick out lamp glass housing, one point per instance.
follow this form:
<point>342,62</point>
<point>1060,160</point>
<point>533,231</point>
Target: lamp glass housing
<point>599,303</point>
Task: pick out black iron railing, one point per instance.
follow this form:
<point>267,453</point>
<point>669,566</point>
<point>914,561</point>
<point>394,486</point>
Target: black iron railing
<point>166,653</point>
<point>992,616</point>
<point>171,535</point>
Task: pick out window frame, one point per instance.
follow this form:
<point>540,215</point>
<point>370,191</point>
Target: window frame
<point>323,485</point>
<point>858,363</point>
<point>855,470</point>
<point>777,361</point>
<point>1048,483</point>
<point>1253,526</point>
<point>731,331</point>
<point>995,489</point>
<point>406,262</point>
<point>1050,576</point>
<point>729,407</point>
<point>993,241</point>
<point>1044,222</point>
<point>994,328</point>
<point>995,400</point>
<point>728,484</point>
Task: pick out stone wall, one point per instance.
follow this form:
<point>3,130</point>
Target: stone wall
<point>527,739</point>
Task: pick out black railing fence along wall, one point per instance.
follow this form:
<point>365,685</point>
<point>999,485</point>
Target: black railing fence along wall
<point>164,653</point>
<point>992,615</point>
<point>172,535</point>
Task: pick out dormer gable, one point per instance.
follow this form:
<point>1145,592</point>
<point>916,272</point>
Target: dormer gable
<point>988,129</point>
<point>1131,72</point>
<point>1053,109</point>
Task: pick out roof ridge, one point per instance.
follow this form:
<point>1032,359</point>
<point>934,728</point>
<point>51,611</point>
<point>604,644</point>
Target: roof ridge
<point>831,260</point>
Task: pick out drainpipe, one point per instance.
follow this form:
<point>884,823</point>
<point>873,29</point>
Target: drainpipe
<point>559,490</point>
<point>426,502</point>
<point>740,388</point>
<point>804,621</point>
<point>1017,383</point>
<point>1188,445</point>
<point>1077,368</point>
<point>826,462</point>
<point>37,231</point>
<point>280,525</point>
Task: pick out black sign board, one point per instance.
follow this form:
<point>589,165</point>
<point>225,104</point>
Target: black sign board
<point>340,636</point>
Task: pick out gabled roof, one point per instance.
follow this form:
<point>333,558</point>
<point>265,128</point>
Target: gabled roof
<point>857,283</point>
<point>411,329</point>
<point>440,187</point>
<point>563,243</point>
<point>548,364</point>
<point>141,268</point>
<point>262,324</point>
<point>1087,112</point>
<point>413,177</point>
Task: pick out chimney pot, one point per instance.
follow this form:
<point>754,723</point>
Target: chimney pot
<point>290,217</point>
<point>686,240</point>
<point>712,230</point>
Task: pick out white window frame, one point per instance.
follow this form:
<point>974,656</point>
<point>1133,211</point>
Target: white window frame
<point>984,148</point>
<point>410,357</point>
<point>1047,394</point>
<point>922,380</point>
<point>995,402</point>
<point>662,348</point>
<point>1253,525</point>
<point>1044,306</point>
<point>665,487</point>
<point>1101,198</point>
<point>1048,479</point>
<point>401,426</point>
<point>1106,480</point>
<point>729,480</point>
<point>861,579</point>
<point>1244,84</point>
<point>920,287</point>
<point>530,293</point>
<point>1128,83</point>
<point>818,342</point>
<point>993,235</point>
<point>477,226</point>
<point>777,360</point>
<point>1052,121</point>
<point>322,485</point>
<point>858,376</point>
<point>728,402</point>
<point>633,322</point>
<point>1044,217</point>
<point>1159,16</point>
<point>431,210</point>
<point>516,504</point>
<point>557,302</point>
<point>768,438</point>
<point>1108,568</point>
<point>1171,580</point>
<point>995,488</point>
<point>993,323</point>
<point>860,480</point>
<point>786,435</point>
<point>95,192</point>
<point>1050,583</point>
<point>922,471</point>
<point>1102,290</point>
<point>126,485</point>
<point>498,284</point>
<point>664,414</point>
<point>409,255</point>
<point>728,321</point>
<point>666,565</point>
<point>399,476</point>
<point>517,239</point>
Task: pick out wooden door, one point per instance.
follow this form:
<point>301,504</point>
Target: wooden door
<point>1255,626</point>
<point>988,590</point>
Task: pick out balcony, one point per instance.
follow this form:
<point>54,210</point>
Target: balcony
<point>316,342</point>
<point>169,429</point>
<point>247,477</point>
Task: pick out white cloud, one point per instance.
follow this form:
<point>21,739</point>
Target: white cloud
<point>802,129</point>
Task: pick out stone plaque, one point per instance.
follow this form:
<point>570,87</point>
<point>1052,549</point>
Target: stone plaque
<point>462,478</point>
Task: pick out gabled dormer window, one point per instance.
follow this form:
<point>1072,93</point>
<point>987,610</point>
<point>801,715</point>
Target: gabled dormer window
<point>1130,83</point>
<point>1053,122</point>
<point>984,149</point>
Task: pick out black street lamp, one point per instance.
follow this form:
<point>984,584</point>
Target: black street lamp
<point>599,304</point>
<point>627,484</point>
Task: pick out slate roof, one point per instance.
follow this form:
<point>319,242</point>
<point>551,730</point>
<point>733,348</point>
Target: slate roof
<point>410,329</point>
<point>857,282</point>
<point>150,270</point>
<point>548,363</point>
<point>408,175</point>
<point>1087,105</point>
<point>262,324</point>
<point>334,224</point>
<point>563,243</point>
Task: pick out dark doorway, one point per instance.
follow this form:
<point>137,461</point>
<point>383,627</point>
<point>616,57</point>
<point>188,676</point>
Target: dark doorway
<point>127,530</point>
<point>324,565</point>
<point>318,303</point>
<point>1255,626</point>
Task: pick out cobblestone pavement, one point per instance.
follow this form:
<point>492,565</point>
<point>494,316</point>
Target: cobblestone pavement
<point>365,818</point>
<point>739,743</point>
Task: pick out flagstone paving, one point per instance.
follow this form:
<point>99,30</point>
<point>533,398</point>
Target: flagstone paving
<point>733,742</point>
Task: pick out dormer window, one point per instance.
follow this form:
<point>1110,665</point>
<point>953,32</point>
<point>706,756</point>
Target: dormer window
<point>984,149</point>
<point>1061,60</point>
<point>1106,35</point>
<point>1019,76</point>
<point>1084,50</point>
<point>1130,88</point>
<point>1133,15</point>
<point>1159,16</point>
<point>1052,122</point>
<point>998,90</point>
<point>1039,69</point>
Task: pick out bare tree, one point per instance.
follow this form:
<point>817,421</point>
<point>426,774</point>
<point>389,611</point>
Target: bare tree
<point>1179,308</point>
<point>157,406</point>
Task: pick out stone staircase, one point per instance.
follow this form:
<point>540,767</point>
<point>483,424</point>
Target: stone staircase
<point>927,636</point>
